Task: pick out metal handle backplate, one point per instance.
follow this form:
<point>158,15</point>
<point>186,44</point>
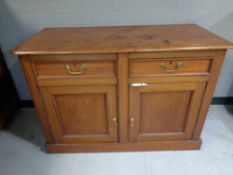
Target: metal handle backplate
<point>163,66</point>
<point>68,69</point>
<point>138,84</point>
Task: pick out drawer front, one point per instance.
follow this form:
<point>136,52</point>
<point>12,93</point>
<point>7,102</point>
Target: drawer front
<point>72,69</point>
<point>153,67</point>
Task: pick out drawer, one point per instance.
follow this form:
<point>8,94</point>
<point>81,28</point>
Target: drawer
<point>72,69</point>
<point>152,67</point>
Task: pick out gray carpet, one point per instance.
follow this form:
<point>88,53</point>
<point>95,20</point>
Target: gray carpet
<point>22,152</point>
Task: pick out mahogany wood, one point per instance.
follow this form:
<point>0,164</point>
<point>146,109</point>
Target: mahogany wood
<point>164,111</point>
<point>113,147</point>
<point>123,97</point>
<point>81,114</point>
<point>215,71</point>
<point>121,39</point>
<point>91,69</point>
<point>37,98</point>
<point>194,66</point>
<point>123,100</point>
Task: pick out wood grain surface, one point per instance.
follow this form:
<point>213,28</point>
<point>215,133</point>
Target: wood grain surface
<point>121,39</point>
<point>123,100</point>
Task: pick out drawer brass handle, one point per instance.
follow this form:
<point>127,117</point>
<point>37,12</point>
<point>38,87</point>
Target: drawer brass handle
<point>163,66</point>
<point>131,122</point>
<point>115,121</point>
<point>68,69</point>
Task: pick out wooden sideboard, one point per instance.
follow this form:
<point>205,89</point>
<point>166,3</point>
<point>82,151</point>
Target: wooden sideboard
<point>122,88</point>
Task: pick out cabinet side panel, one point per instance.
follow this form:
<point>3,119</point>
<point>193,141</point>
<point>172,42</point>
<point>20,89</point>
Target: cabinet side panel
<point>30,77</point>
<point>214,73</point>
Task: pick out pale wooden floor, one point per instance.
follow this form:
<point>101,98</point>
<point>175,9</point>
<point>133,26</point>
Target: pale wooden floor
<point>21,153</point>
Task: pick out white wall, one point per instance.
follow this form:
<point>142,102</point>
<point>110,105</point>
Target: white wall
<point>21,18</point>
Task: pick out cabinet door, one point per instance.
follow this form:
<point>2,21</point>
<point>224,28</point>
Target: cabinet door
<point>82,114</point>
<point>164,111</point>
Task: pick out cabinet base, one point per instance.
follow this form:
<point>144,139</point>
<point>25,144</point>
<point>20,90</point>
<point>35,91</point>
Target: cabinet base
<point>114,147</point>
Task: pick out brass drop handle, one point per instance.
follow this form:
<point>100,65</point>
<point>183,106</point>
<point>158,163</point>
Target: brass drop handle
<point>115,121</point>
<point>131,122</point>
<point>163,66</point>
<point>68,69</point>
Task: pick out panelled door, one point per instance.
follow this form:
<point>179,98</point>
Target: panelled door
<point>164,111</point>
<point>82,114</point>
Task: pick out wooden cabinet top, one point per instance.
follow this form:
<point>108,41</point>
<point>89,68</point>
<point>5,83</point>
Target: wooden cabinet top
<point>121,39</point>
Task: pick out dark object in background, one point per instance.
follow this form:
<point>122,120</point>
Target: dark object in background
<point>9,99</point>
